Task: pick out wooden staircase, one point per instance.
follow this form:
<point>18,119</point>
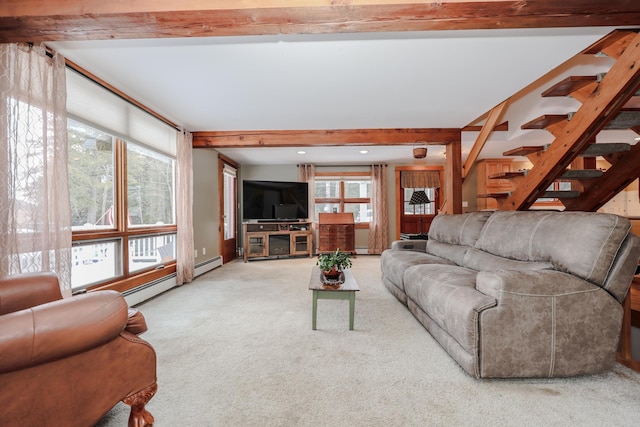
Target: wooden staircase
<point>572,155</point>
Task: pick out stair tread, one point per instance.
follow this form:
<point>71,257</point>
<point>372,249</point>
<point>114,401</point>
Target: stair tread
<point>495,195</point>
<point>569,85</point>
<point>544,121</point>
<point>507,175</point>
<point>581,174</point>
<point>567,194</point>
<point>625,119</point>
<point>603,149</point>
<point>524,150</point>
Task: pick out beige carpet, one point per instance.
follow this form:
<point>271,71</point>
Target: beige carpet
<point>235,348</point>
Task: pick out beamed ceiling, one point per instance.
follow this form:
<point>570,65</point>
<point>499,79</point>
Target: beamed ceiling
<point>374,74</point>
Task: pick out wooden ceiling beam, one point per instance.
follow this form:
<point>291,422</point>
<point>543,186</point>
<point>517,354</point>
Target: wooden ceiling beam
<point>54,20</point>
<point>332,137</point>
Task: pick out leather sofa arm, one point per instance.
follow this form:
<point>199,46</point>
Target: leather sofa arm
<point>27,290</point>
<point>61,328</point>
<point>409,245</point>
<point>542,283</point>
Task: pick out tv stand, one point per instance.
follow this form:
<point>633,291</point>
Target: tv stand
<point>273,240</point>
<point>258,221</point>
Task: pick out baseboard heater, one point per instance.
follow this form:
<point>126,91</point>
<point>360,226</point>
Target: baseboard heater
<point>208,265</point>
<point>151,289</point>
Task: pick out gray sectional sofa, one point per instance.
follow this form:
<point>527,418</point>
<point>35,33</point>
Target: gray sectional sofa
<point>519,294</point>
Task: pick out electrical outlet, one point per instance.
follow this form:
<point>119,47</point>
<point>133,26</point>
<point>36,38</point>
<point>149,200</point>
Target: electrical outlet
<point>195,253</point>
<point>204,251</point>
<point>465,204</point>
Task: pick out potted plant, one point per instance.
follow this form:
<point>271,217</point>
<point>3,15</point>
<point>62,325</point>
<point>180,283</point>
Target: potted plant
<point>331,264</point>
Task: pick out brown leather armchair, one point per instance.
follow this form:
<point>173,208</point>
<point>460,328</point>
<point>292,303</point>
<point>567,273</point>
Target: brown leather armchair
<point>67,362</point>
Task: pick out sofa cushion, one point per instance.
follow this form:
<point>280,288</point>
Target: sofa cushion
<point>580,243</point>
<point>451,235</point>
<point>483,261</point>
<point>395,263</point>
<point>448,251</point>
<point>447,294</point>
<point>462,229</point>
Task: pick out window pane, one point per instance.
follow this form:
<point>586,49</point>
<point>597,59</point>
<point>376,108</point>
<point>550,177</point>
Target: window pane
<point>145,252</point>
<point>357,189</point>
<point>361,211</point>
<point>326,208</point>
<point>90,177</point>
<point>327,189</point>
<point>424,209</point>
<point>150,187</point>
<point>229,206</point>
<point>94,262</point>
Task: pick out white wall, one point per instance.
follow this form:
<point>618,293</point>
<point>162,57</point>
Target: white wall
<point>205,204</point>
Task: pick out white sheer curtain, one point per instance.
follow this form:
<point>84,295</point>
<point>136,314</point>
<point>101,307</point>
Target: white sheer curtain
<point>185,269</point>
<point>378,228</point>
<point>307,173</point>
<point>35,213</point>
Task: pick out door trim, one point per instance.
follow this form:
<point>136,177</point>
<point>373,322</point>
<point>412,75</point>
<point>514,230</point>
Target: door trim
<point>399,189</point>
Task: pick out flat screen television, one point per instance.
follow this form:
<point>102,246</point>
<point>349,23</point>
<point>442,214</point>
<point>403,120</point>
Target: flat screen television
<point>274,200</point>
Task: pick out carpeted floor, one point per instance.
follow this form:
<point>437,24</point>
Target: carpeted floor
<point>235,348</point>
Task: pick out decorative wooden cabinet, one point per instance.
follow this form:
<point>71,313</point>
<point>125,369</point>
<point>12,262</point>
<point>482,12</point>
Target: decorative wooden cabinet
<point>276,239</point>
<point>485,184</point>
<point>336,231</point>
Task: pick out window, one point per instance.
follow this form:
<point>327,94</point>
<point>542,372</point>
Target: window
<point>150,179</point>
<point>91,177</point>
<point>94,262</point>
<point>420,209</point>
<point>344,194</point>
<point>229,190</point>
<point>117,236</point>
<point>552,201</point>
<point>122,189</point>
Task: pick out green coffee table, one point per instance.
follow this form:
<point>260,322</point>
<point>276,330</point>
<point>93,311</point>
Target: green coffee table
<point>346,291</point>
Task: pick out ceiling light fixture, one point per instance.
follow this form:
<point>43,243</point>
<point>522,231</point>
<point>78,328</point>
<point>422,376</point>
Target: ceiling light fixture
<point>419,152</point>
<point>364,151</point>
<point>302,152</point>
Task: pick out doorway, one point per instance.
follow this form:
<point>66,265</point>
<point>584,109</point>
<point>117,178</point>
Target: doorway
<point>228,199</point>
<point>418,201</point>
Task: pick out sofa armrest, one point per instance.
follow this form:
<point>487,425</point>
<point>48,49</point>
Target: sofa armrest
<point>409,245</point>
<point>59,329</point>
<point>546,324</point>
<point>27,290</point>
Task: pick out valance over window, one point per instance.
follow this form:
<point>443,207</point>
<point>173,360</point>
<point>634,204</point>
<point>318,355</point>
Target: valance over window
<point>420,179</point>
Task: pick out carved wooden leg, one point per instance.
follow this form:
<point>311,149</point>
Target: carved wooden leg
<point>140,417</point>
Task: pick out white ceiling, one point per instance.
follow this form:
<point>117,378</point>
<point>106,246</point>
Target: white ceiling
<point>336,81</point>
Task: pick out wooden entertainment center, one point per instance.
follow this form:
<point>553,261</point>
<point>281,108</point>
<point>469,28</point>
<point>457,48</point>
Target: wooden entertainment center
<point>276,239</point>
